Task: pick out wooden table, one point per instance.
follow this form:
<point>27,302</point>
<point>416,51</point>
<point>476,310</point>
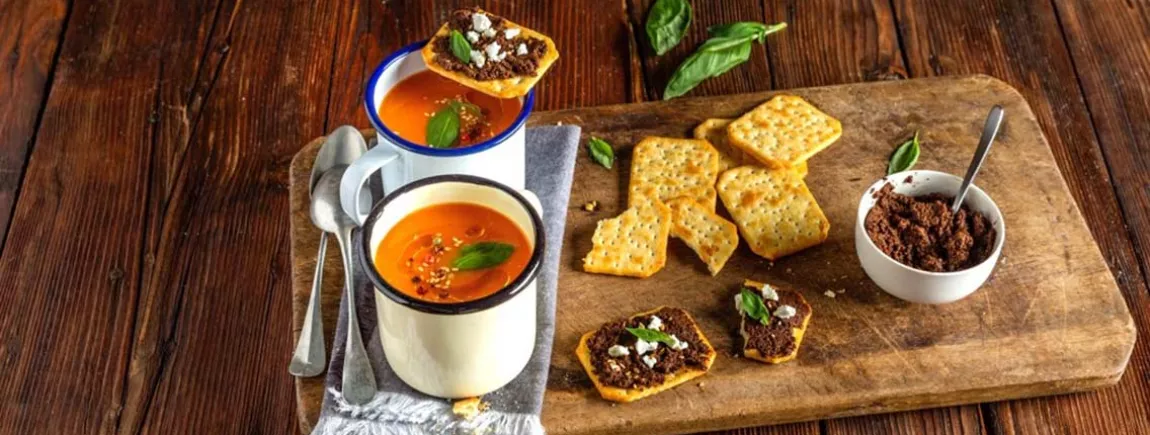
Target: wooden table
<point>144,148</point>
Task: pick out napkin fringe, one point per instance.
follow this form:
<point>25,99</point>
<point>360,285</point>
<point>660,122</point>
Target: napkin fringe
<point>407,415</point>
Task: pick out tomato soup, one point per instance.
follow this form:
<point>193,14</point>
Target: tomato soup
<point>454,252</point>
<point>411,104</point>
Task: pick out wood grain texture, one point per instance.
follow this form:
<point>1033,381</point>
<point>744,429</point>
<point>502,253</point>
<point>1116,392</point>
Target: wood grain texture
<point>69,278</point>
<point>211,296</point>
<point>1037,62</point>
<point>867,352</point>
<point>30,33</point>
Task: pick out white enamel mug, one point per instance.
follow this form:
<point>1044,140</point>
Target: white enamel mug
<point>501,158</point>
<point>463,349</point>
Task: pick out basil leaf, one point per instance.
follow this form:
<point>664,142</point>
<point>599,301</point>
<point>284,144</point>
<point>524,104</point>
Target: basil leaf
<point>443,128</point>
<point>904,157</point>
<point>737,29</point>
<point>460,47</point>
<point>650,335</point>
<point>728,47</point>
<point>753,306</point>
<point>667,22</point>
<point>482,255</point>
<point>601,152</point>
<point>703,65</point>
<point>463,105</point>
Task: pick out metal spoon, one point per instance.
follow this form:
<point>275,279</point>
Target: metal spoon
<point>989,131</point>
<point>310,358</point>
<point>358,379</point>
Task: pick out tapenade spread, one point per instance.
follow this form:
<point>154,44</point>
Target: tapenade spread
<point>922,232</point>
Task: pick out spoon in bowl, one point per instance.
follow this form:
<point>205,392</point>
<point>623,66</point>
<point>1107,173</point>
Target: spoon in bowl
<point>989,131</point>
<point>328,215</point>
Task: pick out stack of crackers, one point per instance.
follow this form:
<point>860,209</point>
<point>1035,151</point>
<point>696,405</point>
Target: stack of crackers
<point>755,164</point>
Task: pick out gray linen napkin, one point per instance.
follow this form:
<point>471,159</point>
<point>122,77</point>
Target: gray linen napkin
<point>515,408</point>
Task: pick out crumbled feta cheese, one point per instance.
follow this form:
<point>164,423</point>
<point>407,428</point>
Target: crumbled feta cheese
<point>511,33</point>
<point>618,350</point>
<point>656,323</point>
<point>650,361</point>
<point>480,22</point>
<point>489,33</point>
<point>739,303</point>
<point>521,50</point>
<point>769,293</point>
<point>472,37</point>
<point>785,311</point>
<point>477,58</point>
<point>492,49</point>
<point>829,294</point>
<point>643,346</point>
<point>677,344</point>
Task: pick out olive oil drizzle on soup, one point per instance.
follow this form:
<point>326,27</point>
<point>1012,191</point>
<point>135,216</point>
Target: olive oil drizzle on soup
<point>417,254</point>
<point>407,108</point>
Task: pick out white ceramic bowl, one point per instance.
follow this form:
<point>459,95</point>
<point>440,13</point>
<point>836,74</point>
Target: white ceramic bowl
<point>908,283</point>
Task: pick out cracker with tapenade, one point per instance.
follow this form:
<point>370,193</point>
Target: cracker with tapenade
<point>777,340</point>
<point>505,60</point>
<point>673,168</point>
<point>774,209</point>
<point>785,131</point>
<point>625,368</point>
<point>713,238</point>
<point>633,243</point>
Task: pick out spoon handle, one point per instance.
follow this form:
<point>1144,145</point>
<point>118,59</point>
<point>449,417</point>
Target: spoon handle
<point>309,358</point>
<point>989,131</point>
<point>358,378</point>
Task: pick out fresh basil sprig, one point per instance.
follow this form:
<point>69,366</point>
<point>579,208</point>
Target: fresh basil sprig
<point>753,306</point>
<point>460,47</point>
<point>482,255</point>
<point>728,47</point>
<point>443,128</point>
<point>667,22</point>
<point>651,335</point>
<point>904,157</point>
<point>601,152</point>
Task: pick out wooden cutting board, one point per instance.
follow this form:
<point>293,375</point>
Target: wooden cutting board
<point>1050,320</point>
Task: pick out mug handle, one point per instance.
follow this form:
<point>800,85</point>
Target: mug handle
<point>351,186</point>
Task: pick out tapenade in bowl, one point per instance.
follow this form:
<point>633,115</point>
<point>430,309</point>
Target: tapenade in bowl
<point>914,247</point>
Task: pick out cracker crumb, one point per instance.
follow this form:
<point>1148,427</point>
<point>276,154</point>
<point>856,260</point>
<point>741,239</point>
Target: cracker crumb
<point>591,206</point>
<point>829,294</point>
<point>468,408</point>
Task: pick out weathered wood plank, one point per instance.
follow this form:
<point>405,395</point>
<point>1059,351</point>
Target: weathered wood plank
<point>29,37</point>
<point>219,239</point>
<point>1025,46</point>
<point>70,267</point>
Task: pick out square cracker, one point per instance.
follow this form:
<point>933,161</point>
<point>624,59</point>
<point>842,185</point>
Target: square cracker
<point>774,210</point>
<point>673,168</point>
<point>503,88</point>
<point>714,130</point>
<point>713,238</point>
<point>631,244</point>
<point>784,132</point>
<point>671,380</point>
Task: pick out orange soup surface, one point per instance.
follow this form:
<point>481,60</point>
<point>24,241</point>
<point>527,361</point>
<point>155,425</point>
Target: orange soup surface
<point>408,107</point>
<point>454,252</point>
